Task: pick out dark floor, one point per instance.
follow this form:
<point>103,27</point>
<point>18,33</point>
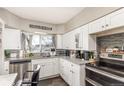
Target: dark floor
<point>57,81</point>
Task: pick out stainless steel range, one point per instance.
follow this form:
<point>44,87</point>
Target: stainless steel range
<point>106,72</point>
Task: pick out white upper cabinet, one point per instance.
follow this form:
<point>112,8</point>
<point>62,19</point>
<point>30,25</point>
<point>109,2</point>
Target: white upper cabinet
<point>65,42</point>
<point>69,40</point>
<point>85,39</point>
<point>79,34</point>
<point>110,21</point>
<point>115,19</point>
<point>59,42</point>
<point>97,26</point>
<point>12,39</point>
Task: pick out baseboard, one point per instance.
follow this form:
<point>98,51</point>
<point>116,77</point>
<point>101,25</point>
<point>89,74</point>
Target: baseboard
<point>57,75</point>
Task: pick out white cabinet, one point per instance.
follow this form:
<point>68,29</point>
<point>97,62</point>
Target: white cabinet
<point>12,39</point>
<point>46,67</point>
<point>64,69</point>
<point>55,66</point>
<point>67,40</point>
<point>49,67</point>
<point>85,37</point>
<point>115,19</point>
<point>110,21</point>
<point>72,73</point>
<point>42,71</point>
<point>59,42</point>
<point>78,32</point>
<point>97,26</point>
<point>76,75</point>
<point>92,42</point>
<point>6,67</point>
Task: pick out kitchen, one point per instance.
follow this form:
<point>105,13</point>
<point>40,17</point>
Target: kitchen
<point>70,50</point>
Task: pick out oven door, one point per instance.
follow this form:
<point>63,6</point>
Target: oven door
<point>96,77</point>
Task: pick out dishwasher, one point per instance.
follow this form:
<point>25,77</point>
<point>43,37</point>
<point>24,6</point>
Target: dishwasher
<point>19,67</point>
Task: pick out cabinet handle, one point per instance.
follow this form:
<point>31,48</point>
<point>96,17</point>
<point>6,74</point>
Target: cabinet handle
<point>43,65</point>
<point>72,71</point>
<point>106,25</point>
<point>102,26</point>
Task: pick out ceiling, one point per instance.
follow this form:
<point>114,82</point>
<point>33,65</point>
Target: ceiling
<point>53,15</point>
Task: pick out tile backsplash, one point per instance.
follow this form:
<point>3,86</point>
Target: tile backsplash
<point>111,41</point>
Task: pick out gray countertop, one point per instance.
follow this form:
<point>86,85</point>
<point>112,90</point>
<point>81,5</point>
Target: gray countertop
<point>73,60</point>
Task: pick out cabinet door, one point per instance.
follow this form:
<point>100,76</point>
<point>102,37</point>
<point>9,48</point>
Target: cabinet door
<point>76,75</point>
<point>65,42</point>
<point>12,39</point>
<point>55,66</point>
<point>62,69</point>
<point>42,72</point>
<point>78,34</point>
<point>92,42</point>
<point>69,40</point>
<point>97,26</point>
<point>85,37</point>
<point>65,70</point>
<point>115,19</point>
<point>59,42</point>
<point>48,69</point>
<point>6,67</point>
<point>70,78</point>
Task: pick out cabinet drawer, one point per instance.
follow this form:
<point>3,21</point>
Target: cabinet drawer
<point>6,67</point>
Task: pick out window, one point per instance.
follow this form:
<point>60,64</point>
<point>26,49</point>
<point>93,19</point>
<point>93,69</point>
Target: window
<point>36,43</point>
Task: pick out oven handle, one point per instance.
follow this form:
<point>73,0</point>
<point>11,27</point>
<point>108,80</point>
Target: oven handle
<point>94,83</point>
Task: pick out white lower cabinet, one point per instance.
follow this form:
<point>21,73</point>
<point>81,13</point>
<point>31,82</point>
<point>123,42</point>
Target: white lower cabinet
<point>64,70</point>
<point>56,66</point>
<point>6,67</point>
<point>49,67</point>
<point>71,73</point>
<point>75,75</point>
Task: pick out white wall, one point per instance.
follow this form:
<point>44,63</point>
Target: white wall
<point>60,29</point>
<point>9,18</point>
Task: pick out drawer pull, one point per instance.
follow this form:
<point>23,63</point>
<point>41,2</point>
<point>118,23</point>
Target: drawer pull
<point>106,25</point>
<point>102,26</point>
